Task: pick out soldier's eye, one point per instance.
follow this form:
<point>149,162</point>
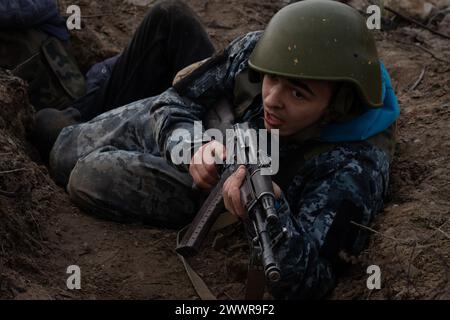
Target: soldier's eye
<point>297,94</point>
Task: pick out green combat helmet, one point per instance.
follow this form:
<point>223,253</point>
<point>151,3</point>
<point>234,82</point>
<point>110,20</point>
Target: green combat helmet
<point>321,40</point>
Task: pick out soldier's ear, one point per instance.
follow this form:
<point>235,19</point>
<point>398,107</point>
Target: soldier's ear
<point>254,76</point>
<point>344,104</point>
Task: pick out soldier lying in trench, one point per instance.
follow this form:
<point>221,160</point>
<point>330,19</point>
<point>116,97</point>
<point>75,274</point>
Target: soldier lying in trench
<point>313,74</point>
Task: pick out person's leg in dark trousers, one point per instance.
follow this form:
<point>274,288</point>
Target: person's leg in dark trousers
<point>169,38</point>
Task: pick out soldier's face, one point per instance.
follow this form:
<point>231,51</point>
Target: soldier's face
<point>292,105</point>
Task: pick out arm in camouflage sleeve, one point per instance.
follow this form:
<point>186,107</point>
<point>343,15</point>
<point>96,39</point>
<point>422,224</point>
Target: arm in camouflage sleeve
<point>343,185</point>
<point>197,92</point>
<point>26,13</point>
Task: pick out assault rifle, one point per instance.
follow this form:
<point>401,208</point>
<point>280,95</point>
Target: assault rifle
<point>258,196</point>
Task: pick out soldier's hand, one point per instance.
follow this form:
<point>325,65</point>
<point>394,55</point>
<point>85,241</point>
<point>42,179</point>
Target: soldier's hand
<point>203,166</point>
<point>232,193</point>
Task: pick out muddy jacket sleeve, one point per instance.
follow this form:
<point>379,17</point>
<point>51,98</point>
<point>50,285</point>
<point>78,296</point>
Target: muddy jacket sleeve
<point>343,185</point>
<point>189,100</point>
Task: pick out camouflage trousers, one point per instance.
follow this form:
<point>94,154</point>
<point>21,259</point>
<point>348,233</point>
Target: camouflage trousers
<point>112,169</point>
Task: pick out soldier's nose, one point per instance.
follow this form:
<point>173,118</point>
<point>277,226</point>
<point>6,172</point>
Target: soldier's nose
<point>274,99</point>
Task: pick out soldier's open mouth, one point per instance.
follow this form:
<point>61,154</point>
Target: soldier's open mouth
<point>272,120</point>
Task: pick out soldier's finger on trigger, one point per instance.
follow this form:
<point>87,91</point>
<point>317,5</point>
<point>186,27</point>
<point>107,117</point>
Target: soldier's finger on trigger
<point>236,199</point>
<point>228,200</point>
<point>232,179</point>
<point>239,175</point>
<point>232,195</point>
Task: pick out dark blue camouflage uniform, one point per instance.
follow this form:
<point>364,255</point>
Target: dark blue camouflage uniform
<point>41,14</point>
<point>118,166</point>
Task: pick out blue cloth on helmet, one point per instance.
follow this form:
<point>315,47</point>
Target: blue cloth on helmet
<point>371,122</point>
<point>41,14</point>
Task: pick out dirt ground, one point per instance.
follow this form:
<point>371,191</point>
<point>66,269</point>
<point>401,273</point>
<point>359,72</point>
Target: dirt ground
<point>42,233</point>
